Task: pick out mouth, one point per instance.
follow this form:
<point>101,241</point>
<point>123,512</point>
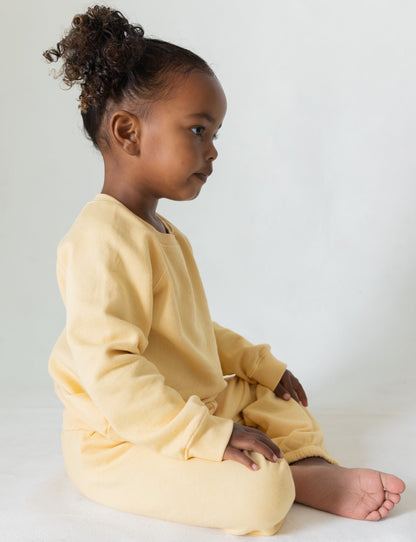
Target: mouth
<point>203,176</point>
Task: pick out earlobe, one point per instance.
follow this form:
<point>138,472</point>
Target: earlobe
<point>125,131</point>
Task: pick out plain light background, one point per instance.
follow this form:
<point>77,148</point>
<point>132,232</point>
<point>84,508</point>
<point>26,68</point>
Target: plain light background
<point>305,233</point>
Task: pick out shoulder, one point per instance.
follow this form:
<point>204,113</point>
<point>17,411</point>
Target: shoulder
<point>108,216</point>
<point>105,229</point>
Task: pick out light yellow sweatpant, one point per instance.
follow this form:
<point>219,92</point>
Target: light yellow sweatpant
<point>223,494</point>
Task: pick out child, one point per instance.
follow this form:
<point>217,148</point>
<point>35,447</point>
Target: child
<point>168,414</point>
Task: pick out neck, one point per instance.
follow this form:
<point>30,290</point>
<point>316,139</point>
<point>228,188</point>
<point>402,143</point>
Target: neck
<point>120,184</point>
<point>144,208</point>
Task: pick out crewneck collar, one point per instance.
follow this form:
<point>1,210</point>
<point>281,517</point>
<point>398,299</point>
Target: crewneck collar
<point>168,225</point>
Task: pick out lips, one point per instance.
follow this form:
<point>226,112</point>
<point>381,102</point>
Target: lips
<point>203,175</point>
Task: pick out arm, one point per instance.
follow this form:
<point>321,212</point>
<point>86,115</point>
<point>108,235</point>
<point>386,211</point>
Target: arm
<point>107,286</point>
<point>253,363</point>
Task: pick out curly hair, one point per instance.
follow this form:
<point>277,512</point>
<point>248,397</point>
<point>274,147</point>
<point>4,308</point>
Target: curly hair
<point>111,59</point>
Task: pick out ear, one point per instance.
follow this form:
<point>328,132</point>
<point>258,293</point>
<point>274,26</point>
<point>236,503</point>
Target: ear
<point>125,131</point>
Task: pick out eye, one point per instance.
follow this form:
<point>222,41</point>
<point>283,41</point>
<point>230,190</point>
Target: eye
<point>198,130</point>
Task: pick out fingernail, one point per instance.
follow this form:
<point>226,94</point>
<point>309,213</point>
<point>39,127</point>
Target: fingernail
<point>274,458</point>
<point>254,466</point>
<point>286,395</point>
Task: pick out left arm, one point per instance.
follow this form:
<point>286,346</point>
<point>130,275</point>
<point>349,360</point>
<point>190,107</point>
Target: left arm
<point>256,364</point>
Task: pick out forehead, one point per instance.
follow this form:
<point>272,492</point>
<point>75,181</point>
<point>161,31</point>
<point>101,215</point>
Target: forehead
<point>196,93</point>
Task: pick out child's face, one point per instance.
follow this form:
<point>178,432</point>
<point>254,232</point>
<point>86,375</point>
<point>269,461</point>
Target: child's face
<point>176,140</point>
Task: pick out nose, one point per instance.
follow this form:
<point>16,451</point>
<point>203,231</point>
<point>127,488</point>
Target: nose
<point>212,152</point>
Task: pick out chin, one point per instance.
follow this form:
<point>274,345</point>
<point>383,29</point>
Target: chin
<point>184,198</point>
<point>188,193</point>
<point>195,195</point>
<point>192,196</point>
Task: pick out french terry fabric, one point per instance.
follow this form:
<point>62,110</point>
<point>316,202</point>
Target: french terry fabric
<point>139,358</point>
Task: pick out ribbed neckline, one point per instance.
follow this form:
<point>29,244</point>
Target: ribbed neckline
<point>162,236</point>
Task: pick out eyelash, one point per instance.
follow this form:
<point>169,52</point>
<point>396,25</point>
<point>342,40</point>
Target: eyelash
<point>202,128</point>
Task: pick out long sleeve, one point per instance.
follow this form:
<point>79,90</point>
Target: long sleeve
<point>107,284</point>
<point>254,363</point>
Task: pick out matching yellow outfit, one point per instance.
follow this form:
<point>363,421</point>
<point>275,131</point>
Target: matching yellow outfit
<point>143,373</point>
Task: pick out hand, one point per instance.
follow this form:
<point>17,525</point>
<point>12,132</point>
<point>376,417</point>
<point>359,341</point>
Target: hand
<point>253,440</point>
<point>289,386</point>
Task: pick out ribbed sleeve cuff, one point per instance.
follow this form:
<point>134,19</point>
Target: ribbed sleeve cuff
<point>211,439</point>
<point>269,370</point>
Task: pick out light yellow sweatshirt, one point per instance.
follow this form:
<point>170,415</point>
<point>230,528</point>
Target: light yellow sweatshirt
<point>139,358</point>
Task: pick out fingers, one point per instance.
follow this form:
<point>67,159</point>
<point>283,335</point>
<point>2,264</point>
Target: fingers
<point>302,396</point>
<point>240,457</point>
<point>289,381</point>
<point>282,392</point>
<point>289,386</point>
<point>300,392</point>
<point>252,440</point>
<point>260,444</point>
<point>285,390</point>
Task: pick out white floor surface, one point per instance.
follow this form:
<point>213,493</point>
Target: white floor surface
<point>38,502</point>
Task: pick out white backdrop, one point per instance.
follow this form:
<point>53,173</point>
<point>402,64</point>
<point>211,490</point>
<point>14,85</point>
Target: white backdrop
<point>304,235</point>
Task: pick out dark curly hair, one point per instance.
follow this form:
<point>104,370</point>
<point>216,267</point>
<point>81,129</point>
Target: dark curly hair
<point>111,60</point>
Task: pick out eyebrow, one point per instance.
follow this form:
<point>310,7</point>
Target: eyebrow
<point>206,116</point>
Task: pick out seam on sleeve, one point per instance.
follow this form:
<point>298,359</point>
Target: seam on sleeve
<point>262,355</point>
<point>191,438</point>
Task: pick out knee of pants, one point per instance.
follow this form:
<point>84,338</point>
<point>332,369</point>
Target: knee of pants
<point>227,494</point>
<point>269,496</point>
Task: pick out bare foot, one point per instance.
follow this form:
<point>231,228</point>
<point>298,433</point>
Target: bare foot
<point>352,493</point>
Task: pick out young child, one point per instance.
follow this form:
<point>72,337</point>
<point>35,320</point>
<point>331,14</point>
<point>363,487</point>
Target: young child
<point>168,414</point>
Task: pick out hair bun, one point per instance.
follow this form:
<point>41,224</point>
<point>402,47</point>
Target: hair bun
<point>98,52</point>
<point>107,30</point>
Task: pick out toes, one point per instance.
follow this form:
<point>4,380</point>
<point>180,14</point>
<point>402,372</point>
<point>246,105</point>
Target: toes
<point>389,505</point>
<point>393,497</point>
<point>373,516</point>
<point>383,511</point>
<point>392,483</point>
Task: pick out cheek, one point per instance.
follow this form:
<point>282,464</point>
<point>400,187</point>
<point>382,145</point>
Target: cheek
<point>167,148</point>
